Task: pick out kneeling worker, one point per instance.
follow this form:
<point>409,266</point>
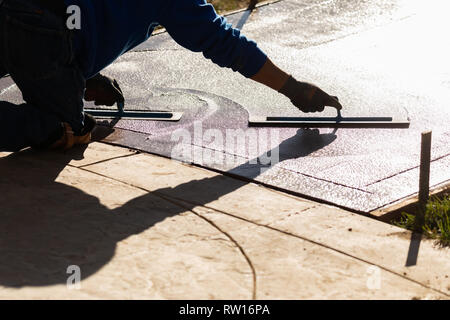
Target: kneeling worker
<point>56,67</point>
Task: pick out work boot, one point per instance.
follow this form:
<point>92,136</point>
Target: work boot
<point>69,138</point>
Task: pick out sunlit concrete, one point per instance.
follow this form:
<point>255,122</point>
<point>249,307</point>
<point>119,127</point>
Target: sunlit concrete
<point>136,226</point>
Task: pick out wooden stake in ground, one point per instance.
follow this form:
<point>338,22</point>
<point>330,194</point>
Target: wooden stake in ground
<point>424,179</point>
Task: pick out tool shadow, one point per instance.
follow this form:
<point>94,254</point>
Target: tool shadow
<point>47,226</point>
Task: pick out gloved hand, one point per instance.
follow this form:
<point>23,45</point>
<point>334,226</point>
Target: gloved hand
<point>307,97</point>
<point>103,90</point>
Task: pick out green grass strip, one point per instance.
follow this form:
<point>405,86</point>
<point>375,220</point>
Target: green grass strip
<point>436,222</point>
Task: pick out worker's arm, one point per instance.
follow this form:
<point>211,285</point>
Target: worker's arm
<point>305,96</point>
<point>195,25</point>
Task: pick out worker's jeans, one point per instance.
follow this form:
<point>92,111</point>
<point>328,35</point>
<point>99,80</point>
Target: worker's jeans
<point>36,50</point>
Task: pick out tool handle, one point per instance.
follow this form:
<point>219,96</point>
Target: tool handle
<point>120,106</point>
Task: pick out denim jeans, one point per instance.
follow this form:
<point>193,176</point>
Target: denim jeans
<point>36,50</point>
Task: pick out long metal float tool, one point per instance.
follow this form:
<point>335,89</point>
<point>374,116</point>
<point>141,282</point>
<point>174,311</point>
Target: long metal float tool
<point>134,114</point>
<point>327,122</point>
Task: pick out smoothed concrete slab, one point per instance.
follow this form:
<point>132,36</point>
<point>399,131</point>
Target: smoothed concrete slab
<point>366,52</point>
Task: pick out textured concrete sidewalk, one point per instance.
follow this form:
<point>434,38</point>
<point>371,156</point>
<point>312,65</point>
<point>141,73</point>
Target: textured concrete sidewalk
<point>142,226</point>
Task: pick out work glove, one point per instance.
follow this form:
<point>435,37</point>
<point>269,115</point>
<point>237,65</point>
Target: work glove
<point>308,97</point>
<point>103,91</point>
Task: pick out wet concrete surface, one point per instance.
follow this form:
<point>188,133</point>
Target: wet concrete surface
<point>382,58</point>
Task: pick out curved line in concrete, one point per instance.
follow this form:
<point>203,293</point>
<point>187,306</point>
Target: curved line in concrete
<point>240,248</point>
<point>178,202</point>
<point>214,107</point>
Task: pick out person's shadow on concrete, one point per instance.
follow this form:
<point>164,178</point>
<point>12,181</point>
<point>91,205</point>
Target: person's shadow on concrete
<point>46,226</point>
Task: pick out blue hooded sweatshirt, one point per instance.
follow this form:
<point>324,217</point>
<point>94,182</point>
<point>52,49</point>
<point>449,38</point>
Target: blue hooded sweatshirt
<point>109,28</point>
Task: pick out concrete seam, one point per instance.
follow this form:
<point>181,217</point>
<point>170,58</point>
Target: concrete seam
<point>290,170</point>
<point>287,217</point>
<point>405,171</point>
<point>434,186</point>
<point>106,160</point>
<point>332,182</point>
